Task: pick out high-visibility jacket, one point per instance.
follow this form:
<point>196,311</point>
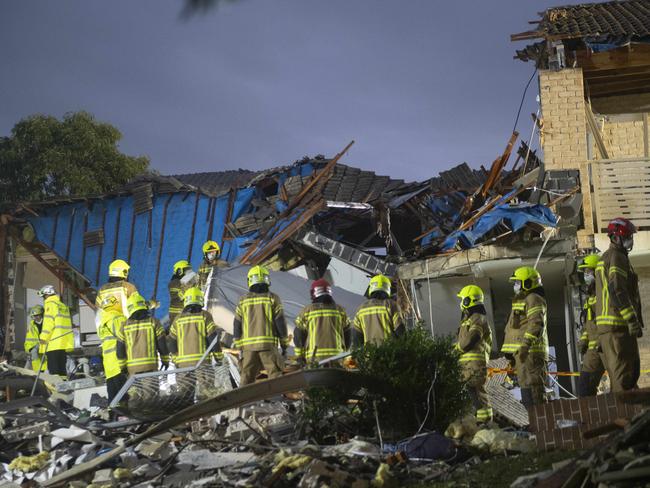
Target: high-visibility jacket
<point>56,332</point>
<point>191,332</point>
<point>474,339</point>
<point>589,334</point>
<point>143,341</point>
<point>320,331</point>
<point>32,341</point>
<point>377,319</point>
<point>259,322</point>
<point>176,291</point>
<point>617,292</point>
<point>204,271</point>
<point>526,325</point>
<point>110,328</point>
<point>120,289</point>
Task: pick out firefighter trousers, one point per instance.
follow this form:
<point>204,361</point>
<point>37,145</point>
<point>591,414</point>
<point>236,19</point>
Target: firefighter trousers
<point>620,355</point>
<point>254,361</point>
<point>531,375</point>
<point>591,371</point>
<point>475,376</point>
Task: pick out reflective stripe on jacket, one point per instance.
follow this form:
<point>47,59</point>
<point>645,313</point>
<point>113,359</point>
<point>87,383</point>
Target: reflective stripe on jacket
<point>120,289</point>
<point>526,325</point>
<point>322,327</point>
<point>589,329</point>
<point>140,338</point>
<point>204,271</point>
<point>110,329</point>
<point>56,333</point>
<point>474,330</point>
<point>191,331</point>
<point>176,291</point>
<point>377,319</point>
<point>258,313</point>
<point>617,292</point>
<point>31,341</point>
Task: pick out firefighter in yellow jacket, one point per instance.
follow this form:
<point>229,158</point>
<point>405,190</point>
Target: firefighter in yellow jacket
<point>111,327</point>
<point>259,327</point>
<point>142,339</point>
<point>378,318</point>
<point>322,328</point>
<point>526,340</point>
<point>177,289</point>
<point>474,345</point>
<point>56,337</point>
<point>192,331</point>
<point>592,368</point>
<point>38,361</point>
<point>117,286</point>
<point>618,308</point>
<point>211,259</point>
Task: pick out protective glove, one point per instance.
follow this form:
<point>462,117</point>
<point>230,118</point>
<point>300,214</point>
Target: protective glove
<point>522,354</point>
<point>635,329</point>
<point>34,353</point>
<point>164,366</point>
<point>583,347</point>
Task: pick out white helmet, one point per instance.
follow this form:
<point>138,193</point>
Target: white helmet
<point>46,291</point>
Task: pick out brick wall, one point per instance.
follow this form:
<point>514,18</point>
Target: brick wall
<point>564,133</point>
<point>644,342</point>
<point>587,412</point>
<point>624,135</point>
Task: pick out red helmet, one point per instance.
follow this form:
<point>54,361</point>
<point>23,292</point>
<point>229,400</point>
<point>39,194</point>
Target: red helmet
<point>319,288</point>
<point>620,227</point>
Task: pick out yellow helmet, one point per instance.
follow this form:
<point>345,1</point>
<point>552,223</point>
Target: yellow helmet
<point>181,265</point>
<point>135,302</point>
<point>589,261</point>
<point>211,246</point>
<point>110,302</point>
<point>470,295</point>
<point>36,310</point>
<point>529,278</point>
<point>258,275</point>
<point>379,283</point>
<point>119,269</point>
<point>193,296</point>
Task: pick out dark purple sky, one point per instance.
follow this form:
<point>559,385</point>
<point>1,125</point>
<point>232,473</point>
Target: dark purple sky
<point>421,85</point>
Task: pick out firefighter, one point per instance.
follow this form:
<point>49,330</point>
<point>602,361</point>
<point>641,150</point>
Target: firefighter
<point>177,289</point>
<point>142,339</point>
<point>192,331</point>
<point>592,368</point>
<point>211,259</point>
<point>111,327</point>
<point>259,326</point>
<point>377,318</point>
<point>322,328</point>
<point>526,340</point>
<point>117,286</point>
<point>618,308</point>
<point>38,362</point>
<point>56,337</point>
<point>474,345</point>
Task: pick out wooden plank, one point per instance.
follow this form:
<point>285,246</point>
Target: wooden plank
<point>632,56</point>
<point>593,128</point>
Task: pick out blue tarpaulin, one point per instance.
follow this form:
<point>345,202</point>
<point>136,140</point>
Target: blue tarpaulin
<point>515,217</point>
<point>151,241</point>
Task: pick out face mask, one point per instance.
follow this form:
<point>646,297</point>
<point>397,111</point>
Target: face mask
<point>211,256</point>
<point>628,244</point>
<point>38,320</point>
<point>517,287</point>
<point>589,279</point>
